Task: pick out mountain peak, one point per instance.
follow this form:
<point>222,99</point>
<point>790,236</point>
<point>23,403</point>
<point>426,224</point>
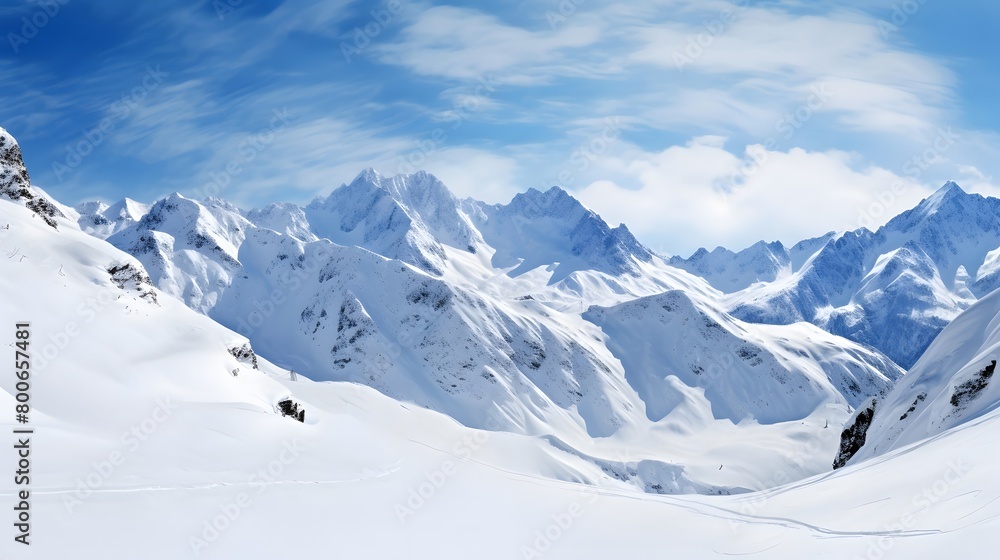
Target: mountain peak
<point>402,188</point>
<point>405,217</point>
<point>948,192</point>
<point>948,201</point>
<point>175,197</point>
<point>368,174</point>
<point>553,202</point>
<point>554,192</point>
<point>91,207</point>
<point>101,220</point>
<point>951,187</point>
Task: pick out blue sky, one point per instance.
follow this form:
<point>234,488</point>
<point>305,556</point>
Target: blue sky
<point>695,122</point>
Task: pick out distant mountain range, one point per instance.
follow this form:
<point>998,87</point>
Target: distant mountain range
<point>483,311</point>
<point>893,289</point>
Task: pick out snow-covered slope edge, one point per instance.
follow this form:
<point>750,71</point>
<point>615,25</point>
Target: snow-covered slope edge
<point>952,384</point>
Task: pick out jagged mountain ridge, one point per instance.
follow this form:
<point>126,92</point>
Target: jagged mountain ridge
<point>103,221</point>
<point>732,272</point>
<point>542,224</point>
<point>894,289</point>
<point>190,249</point>
<point>406,217</point>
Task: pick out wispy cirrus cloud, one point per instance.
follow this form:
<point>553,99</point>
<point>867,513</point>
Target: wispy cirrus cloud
<point>465,44</point>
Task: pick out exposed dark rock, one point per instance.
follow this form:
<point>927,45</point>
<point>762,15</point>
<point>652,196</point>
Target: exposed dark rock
<point>852,439</point>
<point>288,407</point>
<point>920,398</point>
<point>245,354</point>
<point>15,182</point>
<point>969,390</point>
<point>129,277</point>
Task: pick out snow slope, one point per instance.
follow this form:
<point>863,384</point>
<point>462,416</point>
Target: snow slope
<point>677,351</point>
<point>951,385</point>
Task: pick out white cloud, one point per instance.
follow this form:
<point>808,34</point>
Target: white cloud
<point>781,56</point>
<point>973,180</point>
<point>469,172</point>
<point>466,44</point>
<point>671,199</point>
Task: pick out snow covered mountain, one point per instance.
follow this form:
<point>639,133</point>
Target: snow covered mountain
<point>484,358</point>
<point>190,249</point>
<point>894,289</point>
<point>284,218</point>
<point>671,344</point>
<point>474,310</point>
<point>537,229</point>
<point>101,220</point>
<point>951,385</point>
<point>732,272</point>
<point>504,342</point>
<point>406,217</point>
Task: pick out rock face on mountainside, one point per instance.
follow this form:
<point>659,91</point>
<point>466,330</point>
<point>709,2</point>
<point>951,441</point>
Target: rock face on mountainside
<point>13,174</point>
<point>15,184</point>
<point>855,433</point>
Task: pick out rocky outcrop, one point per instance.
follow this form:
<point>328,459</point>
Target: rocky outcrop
<point>852,439</point>
<point>15,184</point>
